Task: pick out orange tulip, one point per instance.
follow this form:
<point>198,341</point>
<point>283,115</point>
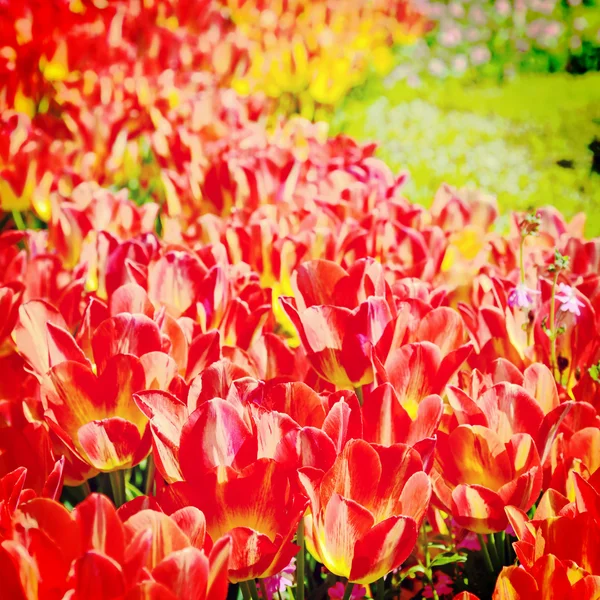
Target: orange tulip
<point>362,527</point>
<point>476,475</point>
<point>47,552</point>
<point>96,417</point>
<point>256,508</point>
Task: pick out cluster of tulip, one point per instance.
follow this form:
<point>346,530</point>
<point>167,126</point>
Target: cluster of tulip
<point>155,110</point>
<point>306,53</point>
<point>303,360</point>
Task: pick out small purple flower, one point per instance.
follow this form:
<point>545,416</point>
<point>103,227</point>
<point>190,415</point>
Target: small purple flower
<point>521,296</point>
<point>337,592</point>
<point>503,7</point>
<point>568,299</point>
<point>480,55</point>
<point>450,37</point>
<point>442,585</point>
<point>279,583</point>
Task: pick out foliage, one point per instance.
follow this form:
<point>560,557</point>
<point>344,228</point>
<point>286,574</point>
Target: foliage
<point>498,39</point>
<point>527,141</point>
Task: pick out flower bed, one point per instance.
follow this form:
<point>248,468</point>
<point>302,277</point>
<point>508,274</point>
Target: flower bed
<point>238,361</point>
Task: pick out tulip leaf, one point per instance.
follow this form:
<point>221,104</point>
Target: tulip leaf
<point>413,570</point>
<point>594,372</point>
<point>447,558</point>
<point>131,491</point>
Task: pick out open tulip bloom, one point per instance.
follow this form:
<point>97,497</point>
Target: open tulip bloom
<point>366,511</point>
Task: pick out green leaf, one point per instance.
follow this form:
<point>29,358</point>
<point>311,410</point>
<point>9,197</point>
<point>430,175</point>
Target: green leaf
<point>594,372</point>
<point>413,570</point>
<point>447,558</point>
<point>131,491</point>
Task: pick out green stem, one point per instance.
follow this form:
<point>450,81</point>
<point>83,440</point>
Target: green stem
<point>263,589</point>
<point>359,394</point>
<point>18,219</point>
<point>552,325</point>
<point>494,551</point>
<point>85,487</point>
<point>486,554</point>
<point>501,547</point>
<point>428,569</point>
<point>245,590</point>
<point>117,483</point>
<point>380,589</point>
<point>150,473</point>
<point>300,562</point>
<point>348,591</point>
<point>510,559</point>
<point>252,587</point>
<point>521,262</point>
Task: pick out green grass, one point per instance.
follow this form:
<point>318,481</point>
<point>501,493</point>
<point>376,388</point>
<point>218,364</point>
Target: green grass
<point>506,139</point>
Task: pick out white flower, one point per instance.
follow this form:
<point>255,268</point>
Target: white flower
<point>521,296</point>
<point>568,299</point>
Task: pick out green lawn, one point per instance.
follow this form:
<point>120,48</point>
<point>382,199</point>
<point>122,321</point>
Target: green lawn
<point>509,139</point>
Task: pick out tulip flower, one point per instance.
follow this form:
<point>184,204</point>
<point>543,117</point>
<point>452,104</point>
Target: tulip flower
<point>558,528</point>
<point>29,445</point>
<point>47,552</point>
<point>96,417</point>
<point>386,421</point>
<point>505,408</point>
<point>476,475</point>
<point>340,342</point>
<point>418,370</point>
<point>363,528</point>
<point>548,575</point>
<point>256,508</point>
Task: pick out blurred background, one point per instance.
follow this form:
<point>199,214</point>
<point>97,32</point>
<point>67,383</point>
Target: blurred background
<point>502,95</point>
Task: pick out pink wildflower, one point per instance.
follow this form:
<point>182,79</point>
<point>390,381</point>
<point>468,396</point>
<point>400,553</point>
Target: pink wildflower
<point>568,299</point>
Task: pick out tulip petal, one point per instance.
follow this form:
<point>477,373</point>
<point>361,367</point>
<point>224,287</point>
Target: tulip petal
<point>514,583</point>
<point>219,563</point>
<point>185,573</point>
<point>166,536</point>
<point>101,529</point>
<point>357,457</point>
<point>251,554</point>
<point>110,444</point>
<point>193,523</point>
<point>98,577</point>
<point>478,509</point>
<point>344,523</point>
<point>215,436</point>
<point>382,549</point>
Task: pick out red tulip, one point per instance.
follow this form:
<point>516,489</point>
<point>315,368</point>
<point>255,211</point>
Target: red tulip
<point>418,370</point>
<point>476,474</point>
<point>256,508</point>
<point>363,528</point>
<point>386,421</point>
<point>507,409</point>
<point>548,579</point>
<point>557,528</point>
<point>47,552</point>
<point>339,342</point>
<point>96,417</point>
